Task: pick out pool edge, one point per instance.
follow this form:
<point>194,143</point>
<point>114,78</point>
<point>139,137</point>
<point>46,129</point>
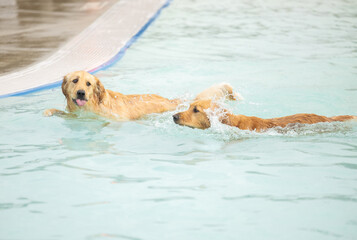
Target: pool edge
<point>116,58</point>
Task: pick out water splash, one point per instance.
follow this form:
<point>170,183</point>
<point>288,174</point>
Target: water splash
<point>223,132</point>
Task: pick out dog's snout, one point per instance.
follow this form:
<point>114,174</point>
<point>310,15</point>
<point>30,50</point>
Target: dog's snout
<point>176,117</point>
<point>81,94</point>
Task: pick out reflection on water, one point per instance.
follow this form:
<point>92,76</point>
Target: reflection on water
<point>92,178</point>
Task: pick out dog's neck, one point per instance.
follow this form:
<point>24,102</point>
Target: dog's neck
<point>247,123</point>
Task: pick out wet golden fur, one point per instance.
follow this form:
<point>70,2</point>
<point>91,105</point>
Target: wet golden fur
<point>108,103</point>
<point>118,106</point>
<point>196,117</point>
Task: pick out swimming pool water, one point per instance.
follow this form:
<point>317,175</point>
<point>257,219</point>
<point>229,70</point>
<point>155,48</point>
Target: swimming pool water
<point>151,179</point>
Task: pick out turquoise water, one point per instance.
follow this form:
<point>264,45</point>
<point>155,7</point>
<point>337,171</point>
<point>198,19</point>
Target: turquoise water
<point>151,179</point>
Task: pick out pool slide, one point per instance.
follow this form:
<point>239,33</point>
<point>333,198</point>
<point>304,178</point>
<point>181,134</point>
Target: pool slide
<point>97,47</point>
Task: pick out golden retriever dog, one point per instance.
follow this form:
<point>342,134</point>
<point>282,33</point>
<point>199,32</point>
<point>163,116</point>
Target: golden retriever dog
<point>196,117</point>
<point>84,92</point>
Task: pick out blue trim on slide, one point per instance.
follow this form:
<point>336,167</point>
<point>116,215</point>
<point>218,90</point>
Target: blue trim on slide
<point>104,66</point>
<point>122,51</point>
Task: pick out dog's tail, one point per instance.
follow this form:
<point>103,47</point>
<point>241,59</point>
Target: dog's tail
<point>230,94</point>
<point>219,91</point>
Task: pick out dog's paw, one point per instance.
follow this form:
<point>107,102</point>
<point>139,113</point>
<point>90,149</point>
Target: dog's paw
<point>49,112</point>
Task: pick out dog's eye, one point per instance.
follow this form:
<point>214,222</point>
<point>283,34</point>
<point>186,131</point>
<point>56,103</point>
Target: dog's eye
<point>88,84</point>
<point>75,80</point>
<point>195,110</point>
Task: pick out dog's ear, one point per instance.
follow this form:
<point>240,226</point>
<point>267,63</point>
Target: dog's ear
<point>99,89</point>
<point>64,86</point>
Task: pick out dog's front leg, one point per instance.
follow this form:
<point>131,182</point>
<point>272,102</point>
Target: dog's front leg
<point>56,112</point>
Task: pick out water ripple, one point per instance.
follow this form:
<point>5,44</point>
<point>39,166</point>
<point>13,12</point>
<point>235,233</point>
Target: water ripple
<point>348,165</point>
<point>343,198</point>
<point>122,178</point>
<point>167,199</point>
<point>108,236</point>
<point>5,206</point>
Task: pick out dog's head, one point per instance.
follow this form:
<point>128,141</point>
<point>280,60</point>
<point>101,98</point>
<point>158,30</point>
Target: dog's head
<point>196,116</point>
<point>82,90</point>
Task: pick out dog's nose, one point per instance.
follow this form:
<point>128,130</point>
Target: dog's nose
<point>176,117</point>
<point>81,94</point>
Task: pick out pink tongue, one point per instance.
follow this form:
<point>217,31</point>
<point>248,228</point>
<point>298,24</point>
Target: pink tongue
<point>80,102</point>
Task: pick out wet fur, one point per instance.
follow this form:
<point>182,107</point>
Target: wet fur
<point>108,103</point>
<point>118,106</point>
<point>196,117</point>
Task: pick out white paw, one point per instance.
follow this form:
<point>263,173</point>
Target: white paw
<point>48,112</point>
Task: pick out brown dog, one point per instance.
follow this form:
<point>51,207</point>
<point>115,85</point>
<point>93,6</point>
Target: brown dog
<point>85,92</point>
<point>196,117</point>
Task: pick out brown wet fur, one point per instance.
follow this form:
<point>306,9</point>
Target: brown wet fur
<point>108,103</point>
<point>196,117</point>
